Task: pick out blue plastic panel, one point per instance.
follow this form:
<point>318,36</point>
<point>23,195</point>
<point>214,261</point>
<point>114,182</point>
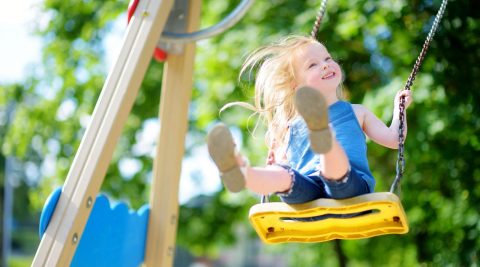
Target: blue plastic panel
<point>113,236</point>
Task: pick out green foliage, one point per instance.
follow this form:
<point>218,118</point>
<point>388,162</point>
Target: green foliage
<point>20,261</point>
<point>376,43</point>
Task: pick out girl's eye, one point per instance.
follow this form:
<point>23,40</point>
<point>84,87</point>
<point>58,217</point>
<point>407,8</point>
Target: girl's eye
<point>312,65</point>
<point>328,58</point>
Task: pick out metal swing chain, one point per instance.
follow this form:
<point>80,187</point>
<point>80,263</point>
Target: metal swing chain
<point>400,165</point>
<point>316,27</point>
<point>318,20</point>
<point>400,168</point>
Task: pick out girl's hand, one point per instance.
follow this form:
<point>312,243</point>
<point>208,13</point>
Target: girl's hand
<point>408,98</point>
<point>270,157</point>
<point>271,154</point>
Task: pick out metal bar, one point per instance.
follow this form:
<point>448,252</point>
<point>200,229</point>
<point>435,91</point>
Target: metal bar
<point>218,28</point>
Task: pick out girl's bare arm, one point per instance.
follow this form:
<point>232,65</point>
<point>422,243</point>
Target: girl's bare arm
<point>376,130</point>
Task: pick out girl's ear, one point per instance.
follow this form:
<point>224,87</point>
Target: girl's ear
<point>293,85</point>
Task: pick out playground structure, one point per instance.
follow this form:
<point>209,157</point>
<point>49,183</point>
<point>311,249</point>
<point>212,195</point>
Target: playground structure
<point>148,236</point>
<point>68,209</point>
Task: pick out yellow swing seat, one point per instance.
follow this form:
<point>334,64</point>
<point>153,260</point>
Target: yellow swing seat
<point>326,219</point>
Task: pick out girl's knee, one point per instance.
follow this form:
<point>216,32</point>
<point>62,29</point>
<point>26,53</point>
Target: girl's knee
<point>277,167</point>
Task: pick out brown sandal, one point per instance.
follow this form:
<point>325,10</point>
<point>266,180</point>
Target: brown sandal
<point>222,150</point>
<point>312,106</point>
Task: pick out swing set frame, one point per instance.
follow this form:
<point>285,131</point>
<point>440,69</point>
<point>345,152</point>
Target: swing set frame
<point>85,177</point>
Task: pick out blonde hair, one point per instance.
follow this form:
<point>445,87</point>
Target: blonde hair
<point>274,84</point>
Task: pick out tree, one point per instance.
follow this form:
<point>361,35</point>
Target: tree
<point>376,44</point>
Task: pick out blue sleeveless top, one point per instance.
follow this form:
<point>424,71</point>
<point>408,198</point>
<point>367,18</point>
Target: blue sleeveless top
<point>347,132</point>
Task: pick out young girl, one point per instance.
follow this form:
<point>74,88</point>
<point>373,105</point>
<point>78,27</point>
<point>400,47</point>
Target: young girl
<point>318,147</point>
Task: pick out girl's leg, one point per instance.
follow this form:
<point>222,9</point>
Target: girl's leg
<point>290,185</point>
<point>312,106</point>
<point>235,173</point>
<point>339,181</point>
<point>271,179</point>
<point>334,164</point>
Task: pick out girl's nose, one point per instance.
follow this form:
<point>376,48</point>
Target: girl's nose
<point>324,66</point>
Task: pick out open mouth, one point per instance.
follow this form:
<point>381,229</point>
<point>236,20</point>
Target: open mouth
<point>328,76</point>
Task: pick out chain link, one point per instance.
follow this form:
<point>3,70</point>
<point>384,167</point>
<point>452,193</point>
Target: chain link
<point>318,20</point>
<point>401,138</point>
<point>400,166</point>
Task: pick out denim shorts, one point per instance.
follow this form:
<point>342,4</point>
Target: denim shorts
<point>307,188</point>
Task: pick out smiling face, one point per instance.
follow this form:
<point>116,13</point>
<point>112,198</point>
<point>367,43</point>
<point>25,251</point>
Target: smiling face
<point>315,67</point>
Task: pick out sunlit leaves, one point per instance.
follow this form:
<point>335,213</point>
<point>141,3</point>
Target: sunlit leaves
<point>376,43</point>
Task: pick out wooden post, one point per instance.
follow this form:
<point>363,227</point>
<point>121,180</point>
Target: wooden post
<point>86,174</point>
<point>175,99</point>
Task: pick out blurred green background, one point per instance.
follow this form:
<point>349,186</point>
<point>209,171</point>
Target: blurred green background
<point>43,118</point>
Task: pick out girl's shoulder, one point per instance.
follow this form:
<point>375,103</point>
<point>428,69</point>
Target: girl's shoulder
<point>360,112</point>
<point>359,109</point>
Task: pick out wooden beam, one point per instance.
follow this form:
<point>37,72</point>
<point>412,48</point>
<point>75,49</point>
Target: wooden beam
<point>91,161</point>
<point>175,99</point>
